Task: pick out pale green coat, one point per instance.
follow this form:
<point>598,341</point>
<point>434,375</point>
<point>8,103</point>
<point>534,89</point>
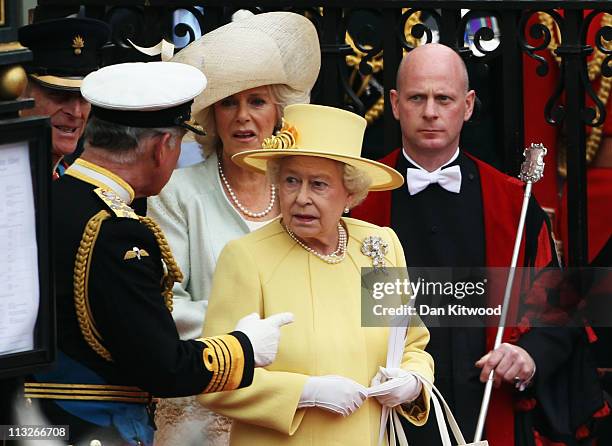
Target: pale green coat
<point>198,220</point>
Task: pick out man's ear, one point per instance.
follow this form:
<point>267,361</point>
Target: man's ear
<point>394,98</point>
<point>161,147</point>
<point>470,99</point>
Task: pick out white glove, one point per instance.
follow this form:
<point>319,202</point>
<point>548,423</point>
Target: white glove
<point>394,386</point>
<point>333,393</point>
<point>264,334</point>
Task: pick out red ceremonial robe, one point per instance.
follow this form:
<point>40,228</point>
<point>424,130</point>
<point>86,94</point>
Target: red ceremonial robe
<point>500,223</point>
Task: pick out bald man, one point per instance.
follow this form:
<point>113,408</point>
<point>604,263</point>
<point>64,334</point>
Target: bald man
<point>457,211</point>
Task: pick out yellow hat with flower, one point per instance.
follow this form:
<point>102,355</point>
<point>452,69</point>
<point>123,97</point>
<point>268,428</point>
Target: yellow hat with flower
<point>324,132</point>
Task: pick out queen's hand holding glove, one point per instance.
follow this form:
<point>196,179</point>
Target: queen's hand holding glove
<point>394,386</point>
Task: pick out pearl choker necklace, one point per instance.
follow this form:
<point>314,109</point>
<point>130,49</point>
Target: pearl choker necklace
<point>239,205</point>
<point>335,257</point>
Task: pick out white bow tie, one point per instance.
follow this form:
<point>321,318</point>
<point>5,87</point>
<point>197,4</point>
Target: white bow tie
<point>419,179</point>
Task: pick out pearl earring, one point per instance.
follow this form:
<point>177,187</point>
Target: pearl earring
<point>346,210</point>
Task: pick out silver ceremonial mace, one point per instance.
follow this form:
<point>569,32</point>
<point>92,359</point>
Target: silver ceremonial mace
<point>532,170</point>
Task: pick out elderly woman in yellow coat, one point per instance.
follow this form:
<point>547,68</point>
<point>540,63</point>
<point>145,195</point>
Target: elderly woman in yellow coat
<point>309,263</point>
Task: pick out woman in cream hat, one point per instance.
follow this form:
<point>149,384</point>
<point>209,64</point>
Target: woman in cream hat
<point>309,262</point>
<point>254,67</point>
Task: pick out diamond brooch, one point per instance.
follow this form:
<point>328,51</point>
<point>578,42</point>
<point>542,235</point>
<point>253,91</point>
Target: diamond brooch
<point>376,248</point>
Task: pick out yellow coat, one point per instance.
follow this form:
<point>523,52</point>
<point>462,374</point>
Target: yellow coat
<point>267,272</point>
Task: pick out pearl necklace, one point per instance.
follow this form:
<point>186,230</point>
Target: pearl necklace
<point>335,257</point>
<point>239,205</point>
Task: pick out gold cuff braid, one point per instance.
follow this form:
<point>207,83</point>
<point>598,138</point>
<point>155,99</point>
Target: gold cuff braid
<point>81,277</point>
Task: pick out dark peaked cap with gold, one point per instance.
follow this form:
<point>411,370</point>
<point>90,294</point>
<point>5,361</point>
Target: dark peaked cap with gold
<point>145,94</point>
<point>64,51</point>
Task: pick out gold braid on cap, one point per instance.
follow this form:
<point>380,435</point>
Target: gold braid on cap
<point>81,277</point>
<point>284,139</point>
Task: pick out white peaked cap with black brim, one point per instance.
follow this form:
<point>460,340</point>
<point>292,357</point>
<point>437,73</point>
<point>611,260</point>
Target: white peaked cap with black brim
<point>145,94</point>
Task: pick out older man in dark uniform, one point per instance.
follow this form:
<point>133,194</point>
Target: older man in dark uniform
<point>118,345</point>
<point>63,52</point>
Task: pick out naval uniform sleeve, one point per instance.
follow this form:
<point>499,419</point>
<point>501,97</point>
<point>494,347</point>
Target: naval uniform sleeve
<point>135,326</point>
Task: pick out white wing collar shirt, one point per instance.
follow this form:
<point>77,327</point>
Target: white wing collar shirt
<point>418,179</point>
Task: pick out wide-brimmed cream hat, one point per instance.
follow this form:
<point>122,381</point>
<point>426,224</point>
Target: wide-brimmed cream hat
<point>325,132</point>
<point>265,49</point>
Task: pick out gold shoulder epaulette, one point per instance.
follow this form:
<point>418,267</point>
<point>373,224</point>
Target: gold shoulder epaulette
<point>119,207</point>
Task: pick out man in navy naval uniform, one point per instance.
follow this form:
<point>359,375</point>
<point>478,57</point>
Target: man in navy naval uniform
<point>64,51</point>
<point>118,345</point>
